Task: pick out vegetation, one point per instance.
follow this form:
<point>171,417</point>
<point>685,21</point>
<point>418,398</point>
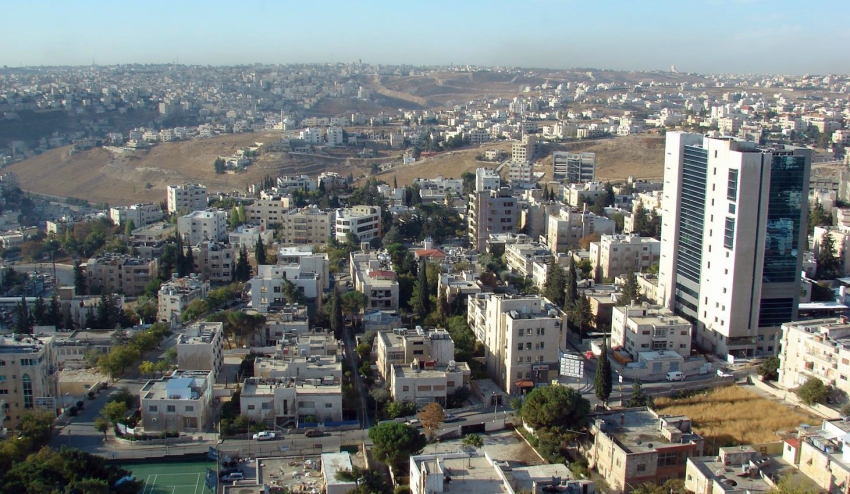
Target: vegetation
<point>474,440</point>
<point>603,382</point>
<point>769,369</point>
<point>432,416</point>
<point>639,397</point>
<point>366,481</point>
<point>394,443</point>
<point>813,391</point>
<point>747,417</point>
<point>829,264</point>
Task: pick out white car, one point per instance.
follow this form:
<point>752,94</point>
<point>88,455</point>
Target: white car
<point>264,436</point>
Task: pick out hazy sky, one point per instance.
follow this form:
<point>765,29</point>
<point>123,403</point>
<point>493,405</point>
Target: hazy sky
<point>776,36</point>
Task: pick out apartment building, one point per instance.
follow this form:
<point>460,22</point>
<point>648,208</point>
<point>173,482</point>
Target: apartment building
<point>293,182</point>
<point>309,276</point>
<point>824,454</point>
<point>289,401</point>
<point>306,226</point>
<point>312,369</point>
<point>28,382</point>
<point>574,167</point>
<point>637,446</point>
<point>214,261</point>
<point>247,235</point>
<point>738,296</point>
<point>181,402</point>
<point>463,284</point>
<point>373,276</point>
<point>362,221</point>
<point>199,348</point>
<point>520,257</point>
<point>523,151</point>
<point>186,198</point>
<point>176,294</point>
<point>486,179</point>
<point>750,468</point>
<point>268,210</point>
<point>401,346</point>
<point>289,321</point>
<point>577,194</point>
<point>426,382</point>
<point>522,337</point>
<point>140,214</point>
<point>491,212</point>
<point>570,225</point>
<point>649,328</point>
<point>815,348</point>
<point>615,255</point>
<point>120,273</point>
<point>198,226</point>
<point>521,173</point>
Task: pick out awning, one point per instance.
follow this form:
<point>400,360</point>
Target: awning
<point>524,383</point>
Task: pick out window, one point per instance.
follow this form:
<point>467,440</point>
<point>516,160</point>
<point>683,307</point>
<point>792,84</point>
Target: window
<point>519,360</point>
<point>26,387</point>
<point>250,407</point>
<point>519,347</point>
<point>152,408</point>
<point>668,459</point>
<point>190,408</point>
<point>641,468</point>
<point>732,185</point>
<point>2,379</point>
<point>405,388</point>
<point>171,409</point>
<point>729,233</point>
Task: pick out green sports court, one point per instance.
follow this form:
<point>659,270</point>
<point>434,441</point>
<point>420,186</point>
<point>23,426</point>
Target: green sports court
<point>172,478</point>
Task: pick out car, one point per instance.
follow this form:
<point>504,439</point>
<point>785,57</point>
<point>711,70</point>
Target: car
<point>675,376</point>
<point>227,471</point>
<point>413,422</point>
<point>233,477</point>
<point>450,418</point>
<point>313,433</point>
<point>589,355</point>
<point>264,436</point>
<point>723,373</point>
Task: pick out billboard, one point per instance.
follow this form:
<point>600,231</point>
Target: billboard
<point>572,365</point>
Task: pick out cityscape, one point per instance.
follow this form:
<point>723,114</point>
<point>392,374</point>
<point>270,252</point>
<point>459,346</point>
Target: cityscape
<point>251,272</point>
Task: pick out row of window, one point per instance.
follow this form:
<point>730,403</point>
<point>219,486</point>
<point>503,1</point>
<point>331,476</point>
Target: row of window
<point>537,346</point>
<point>171,408</point>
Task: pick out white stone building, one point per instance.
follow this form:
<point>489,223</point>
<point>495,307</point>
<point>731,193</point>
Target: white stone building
<point>646,328</point>
<point>199,347</point>
<point>362,221</point>
<point>180,402</point>
<point>186,198</point>
<point>197,226</point>
<point>615,255</point>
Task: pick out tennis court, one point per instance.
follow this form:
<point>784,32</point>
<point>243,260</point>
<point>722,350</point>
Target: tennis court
<point>172,478</point>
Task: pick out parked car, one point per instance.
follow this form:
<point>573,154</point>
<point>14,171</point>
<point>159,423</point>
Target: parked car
<point>414,422</point>
<point>451,418</point>
<point>233,477</point>
<point>589,355</point>
<point>264,436</point>
<point>313,433</point>
<point>675,376</point>
<point>227,471</point>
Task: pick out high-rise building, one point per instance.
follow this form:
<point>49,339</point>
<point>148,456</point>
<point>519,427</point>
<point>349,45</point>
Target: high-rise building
<point>574,167</point>
<point>493,211</point>
<point>732,239</point>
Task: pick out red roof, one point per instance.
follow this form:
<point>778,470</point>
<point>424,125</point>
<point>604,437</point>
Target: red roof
<point>382,273</point>
<point>429,253</point>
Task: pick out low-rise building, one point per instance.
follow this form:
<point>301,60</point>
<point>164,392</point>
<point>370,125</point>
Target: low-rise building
<point>373,276</point>
<point>312,369</point>
<point>176,294</point>
<point>615,255</point>
<point>520,257</point>
<point>214,261</point>
<point>180,402</point>
<point>309,276</point>
<point>647,328</point>
<point>288,400</point>
<point>637,446</point>
<point>401,346</point>
<point>120,273</point>
<point>364,222</point>
<point>425,382</point>
<point>815,348</point>
<point>139,214</point>
<point>247,235</point>
<point>287,322</point>
<point>306,226</point>
<point>566,228</point>
<point>453,285</point>
<point>199,226</point>
<point>199,347</point>
<point>752,468</point>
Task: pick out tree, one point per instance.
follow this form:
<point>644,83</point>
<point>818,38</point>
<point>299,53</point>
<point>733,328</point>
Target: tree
<point>189,261</point>
<point>101,425</point>
<point>336,321</point>
<point>818,217</point>
<point>432,416</point>
<point>220,166</point>
<point>394,443</point>
<point>473,440</point>
<point>423,300</point>
<point>791,484</point>
<point>54,312</point>
<point>114,411</point>
<point>129,227</point>
<point>147,368</point>
<point>243,268</point>
<point>79,279</point>
<point>813,391</point>
<point>631,290</point>
<point>639,397</point>
<point>39,312</point>
<point>769,369</point>
<point>366,481</point>
<point>571,283</point>
<point>556,407</point>
<point>603,382</point>
<point>554,288</point>
<point>23,323</point>
<point>581,315</point>
<point>260,252</point>
<point>829,265</point>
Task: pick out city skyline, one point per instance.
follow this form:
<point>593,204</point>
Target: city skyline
<point>717,36</point>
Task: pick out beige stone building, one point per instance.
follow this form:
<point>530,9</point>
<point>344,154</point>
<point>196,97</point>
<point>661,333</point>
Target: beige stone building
<point>180,402</point>
<point>401,346</point>
<point>306,226</point>
<point>199,347</point>
<point>27,380</point>
<point>815,348</point>
<point>120,273</point>
<point>214,261</point>
<point>615,255</point>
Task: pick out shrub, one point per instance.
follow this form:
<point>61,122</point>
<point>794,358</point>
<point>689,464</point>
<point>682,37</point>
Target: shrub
<point>72,412</point>
<point>813,391</point>
<point>769,369</point>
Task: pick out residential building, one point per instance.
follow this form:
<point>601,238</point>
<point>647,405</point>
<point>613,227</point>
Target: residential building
<point>373,276</point>
<point>186,198</point>
<point>521,173</point>
<point>462,284</point>
<point>824,454</point>
<point>523,151</point>
<point>615,255</point>
<point>214,261</point>
<point>287,322</point>
<point>815,348</point>
<point>362,221</point>
<point>181,402</point>
<point>293,182</point>
<point>197,226</point>
<point>140,214</point>
<point>400,346</point>
<point>309,276</point>
<point>648,328</point>
<point>332,465</point>
<point>491,211</point>
<point>574,167</point>
<point>176,294</point>
<point>268,210</point>
<point>570,225</point>
<point>577,194</point>
<point>306,226</point>
<point>738,296</point>
<point>120,273</point>
<point>334,136</point>
<point>153,233</point>
<point>247,235</point>
<point>199,347</point>
<point>637,446</point>
<point>486,179</point>
<point>520,257</point>
<point>284,401</point>
<point>522,337</point>
<point>751,468</point>
<point>426,382</point>
<point>312,369</point>
<point>28,381</point>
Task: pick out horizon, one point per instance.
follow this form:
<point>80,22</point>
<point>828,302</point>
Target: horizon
<point>711,37</point>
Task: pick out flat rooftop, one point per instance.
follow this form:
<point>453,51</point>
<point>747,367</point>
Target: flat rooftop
<point>637,431</point>
<point>732,478</point>
<point>298,473</point>
<point>468,474</point>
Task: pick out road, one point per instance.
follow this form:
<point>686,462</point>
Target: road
<point>64,272</point>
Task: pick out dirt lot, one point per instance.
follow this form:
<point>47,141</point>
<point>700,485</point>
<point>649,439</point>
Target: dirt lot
<point>735,415</point>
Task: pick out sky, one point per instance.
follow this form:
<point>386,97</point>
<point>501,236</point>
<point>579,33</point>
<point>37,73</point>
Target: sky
<point>706,36</point>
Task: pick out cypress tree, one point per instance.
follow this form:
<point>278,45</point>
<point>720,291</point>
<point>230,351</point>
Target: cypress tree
<point>603,381</point>
<point>571,286</point>
<point>337,322</point>
<point>189,260</point>
<point>423,302</point>
<point>260,252</point>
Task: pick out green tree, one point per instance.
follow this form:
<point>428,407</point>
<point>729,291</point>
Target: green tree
<point>366,481</point>
<point>555,407</point>
<point>631,290</point>
<point>243,268</point>
<point>189,261</point>
<point>554,288</point>
<point>639,397</point>
<point>582,315</point>
<point>260,252</point>
<point>571,282</point>
<point>23,323</point>
<point>813,391</point>
<point>474,440</point>
<point>423,299</point>
<point>129,227</point>
<point>54,312</point>
<point>79,278</point>
<point>147,368</point>
<point>769,369</point>
<point>829,264</point>
<point>394,443</point>
<point>114,411</point>
<point>818,217</point>
<point>220,166</point>
<point>603,382</point>
<point>336,321</point>
<point>101,425</point>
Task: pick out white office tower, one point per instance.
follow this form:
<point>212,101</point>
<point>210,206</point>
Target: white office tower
<point>732,239</point>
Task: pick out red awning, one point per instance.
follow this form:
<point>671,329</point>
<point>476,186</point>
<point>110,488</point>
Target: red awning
<point>525,383</point>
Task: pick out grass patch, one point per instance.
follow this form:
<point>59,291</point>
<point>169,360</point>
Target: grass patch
<point>733,415</point>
